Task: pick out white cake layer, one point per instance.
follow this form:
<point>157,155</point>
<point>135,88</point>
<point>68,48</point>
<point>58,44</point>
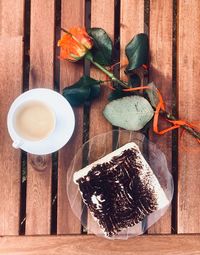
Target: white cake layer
<point>84,171</point>
<point>146,175</point>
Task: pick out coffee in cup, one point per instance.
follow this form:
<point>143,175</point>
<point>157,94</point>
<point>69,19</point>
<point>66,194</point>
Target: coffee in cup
<point>34,120</point>
<point>40,121</point>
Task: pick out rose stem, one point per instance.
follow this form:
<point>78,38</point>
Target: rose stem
<point>193,132</point>
<point>104,70</point>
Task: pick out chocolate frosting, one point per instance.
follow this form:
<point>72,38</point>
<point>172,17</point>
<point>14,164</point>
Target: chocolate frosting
<point>116,194</point>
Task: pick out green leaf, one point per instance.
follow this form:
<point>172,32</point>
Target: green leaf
<point>131,113</point>
<point>86,89</point>
<point>102,49</point>
<point>116,94</point>
<point>76,96</point>
<point>153,94</point>
<point>95,90</point>
<point>137,52</point>
<point>119,94</point>
<point>134,80</point>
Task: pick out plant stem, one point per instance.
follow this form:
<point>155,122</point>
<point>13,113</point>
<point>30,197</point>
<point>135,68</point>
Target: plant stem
<point>62,29</point>
<point>106,81</point>
<point>104,70</point>
<point>190,130</point>
<point>167,115</point>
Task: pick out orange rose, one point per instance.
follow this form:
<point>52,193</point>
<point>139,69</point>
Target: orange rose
<point>75,44</point>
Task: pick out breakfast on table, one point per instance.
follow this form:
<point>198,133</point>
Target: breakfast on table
<point>120,189</point>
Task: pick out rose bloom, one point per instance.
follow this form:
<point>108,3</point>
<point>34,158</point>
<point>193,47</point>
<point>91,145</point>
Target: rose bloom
<point>75,45</point>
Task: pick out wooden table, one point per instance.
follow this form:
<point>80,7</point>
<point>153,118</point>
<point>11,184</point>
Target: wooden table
<point>35,215</point>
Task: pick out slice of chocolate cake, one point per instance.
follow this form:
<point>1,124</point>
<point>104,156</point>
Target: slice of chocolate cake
<point>120,189</point>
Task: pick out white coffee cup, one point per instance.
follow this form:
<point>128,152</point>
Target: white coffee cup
<point>62,121</point>
<point>34,117</point>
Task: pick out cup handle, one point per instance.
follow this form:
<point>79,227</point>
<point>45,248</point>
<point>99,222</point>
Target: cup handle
<point>17,144</point>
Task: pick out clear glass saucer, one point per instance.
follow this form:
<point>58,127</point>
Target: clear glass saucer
<point>99,146</point>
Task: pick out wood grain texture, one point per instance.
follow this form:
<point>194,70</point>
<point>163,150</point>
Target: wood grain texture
<point>188,70</point>
<point>11,22</point>
<point>90,245</point>
<point>130,25</point>
<point>38,205</point>
<point>160,40</point>
<point>102,15</point>
<point>11,79</point>
<point>73,13</point>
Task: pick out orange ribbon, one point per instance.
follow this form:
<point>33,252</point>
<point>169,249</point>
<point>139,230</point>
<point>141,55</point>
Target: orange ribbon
<point>161,106</point>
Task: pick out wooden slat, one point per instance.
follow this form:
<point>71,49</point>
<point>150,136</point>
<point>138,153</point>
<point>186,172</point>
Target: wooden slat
<point>11,23</point>
<point>38,209</point>
<point>102,15</point>
<point>130,25</point>
<point>11,70</point>
<point>90,245</point>
<point>188,63</point>
<point>73,13</point>
<point>160,37</point>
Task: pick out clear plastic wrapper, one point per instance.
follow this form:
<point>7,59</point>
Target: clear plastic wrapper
<point>98,147</point>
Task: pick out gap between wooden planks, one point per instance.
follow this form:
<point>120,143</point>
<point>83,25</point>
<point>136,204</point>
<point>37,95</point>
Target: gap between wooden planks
<point>91,245</point>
